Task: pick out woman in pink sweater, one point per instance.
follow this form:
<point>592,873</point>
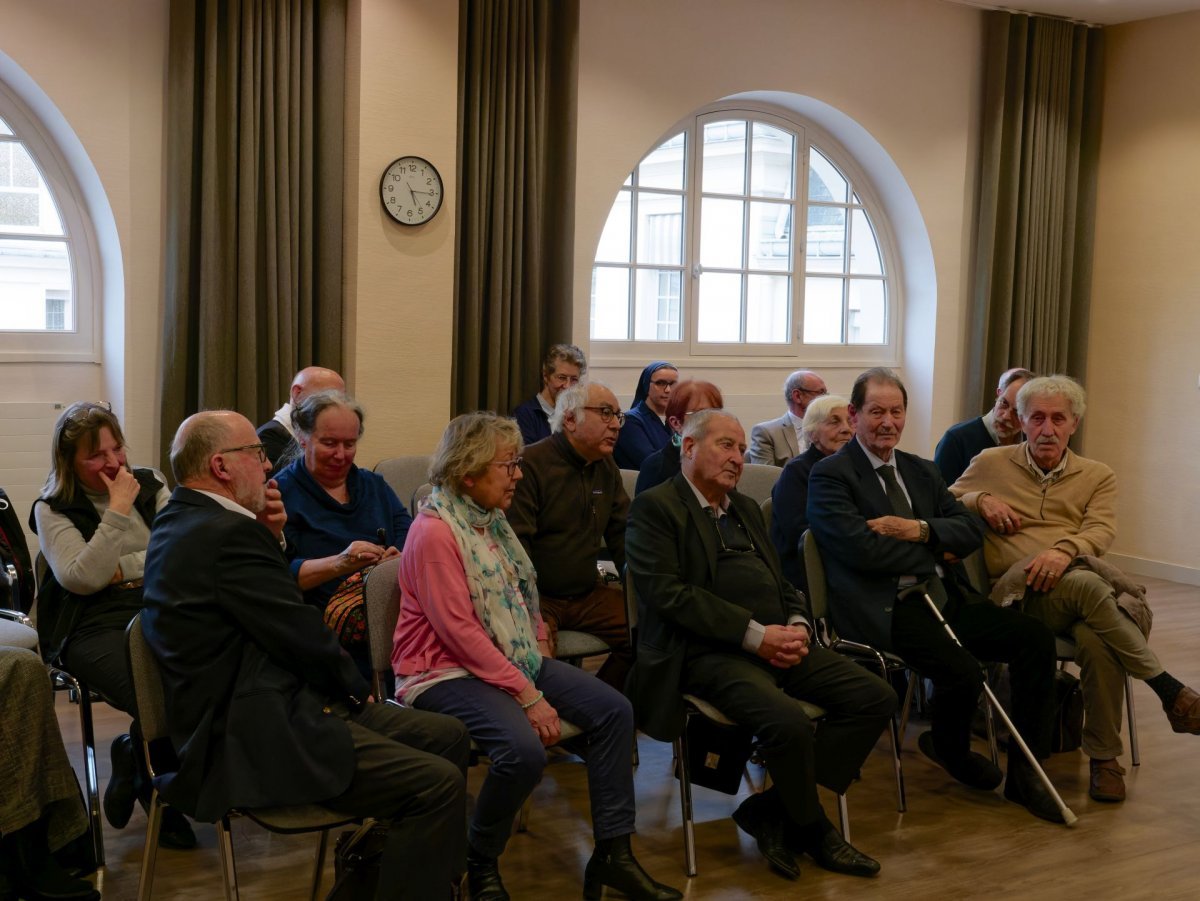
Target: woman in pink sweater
<point>470,642</point>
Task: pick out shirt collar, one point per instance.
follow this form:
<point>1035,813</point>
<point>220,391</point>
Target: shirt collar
<point>283,416</point>
<point>227,502</point>
<point>875,461</point>
<point>1053,475</point>
<point>722,508</point>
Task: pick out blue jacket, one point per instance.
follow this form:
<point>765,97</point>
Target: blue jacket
<point>643,434</point>
<point>319,526</point>
<point>532,421</point>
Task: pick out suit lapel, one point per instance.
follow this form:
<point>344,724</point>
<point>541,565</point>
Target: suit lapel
<point>789,436</point>
<point>872,488</point>
<point>916,480</point>
<point>701,524</point>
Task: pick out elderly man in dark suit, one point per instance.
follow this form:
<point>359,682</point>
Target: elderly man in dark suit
<point>885,523</point>
<point>263,706</point>
<point>718,620</point>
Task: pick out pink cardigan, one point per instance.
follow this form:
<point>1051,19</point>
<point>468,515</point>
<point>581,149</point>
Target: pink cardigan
<point>438,628</point>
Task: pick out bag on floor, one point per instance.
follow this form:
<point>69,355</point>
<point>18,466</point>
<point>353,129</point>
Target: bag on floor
<point>357,855</point>
<point>1068,716</point>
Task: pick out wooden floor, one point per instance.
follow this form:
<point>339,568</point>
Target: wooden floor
<point>952,842</point>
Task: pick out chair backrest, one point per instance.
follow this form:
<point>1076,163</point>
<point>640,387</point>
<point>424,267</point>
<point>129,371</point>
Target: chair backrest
<point>977,572</point>
<point>767,508</point>
<point>382,599</point>
<point>405,474</point>
<point>758,479</point>
<point>818,592</point>
<point>629,479</point>
<point>423,491</point>
<point>147,683</point>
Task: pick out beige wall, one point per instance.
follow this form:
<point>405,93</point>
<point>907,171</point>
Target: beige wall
<point>906,72</point>
<point>1143,363</point>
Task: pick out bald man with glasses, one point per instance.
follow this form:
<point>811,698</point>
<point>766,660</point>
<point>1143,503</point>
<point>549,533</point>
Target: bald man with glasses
<point>569,508</point>
<point>778,440</point>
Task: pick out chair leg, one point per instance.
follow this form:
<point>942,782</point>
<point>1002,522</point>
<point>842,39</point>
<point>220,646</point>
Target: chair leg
<point>150,851</point>
<point>319,867</point>
<point>907,708</point>
<point>993,746</point>
<point>90,775</point>
<point>228,866</point>
<point>901,801</point>
<point>844,816</point>
<point>1133,738</point>
<point>685,804</point>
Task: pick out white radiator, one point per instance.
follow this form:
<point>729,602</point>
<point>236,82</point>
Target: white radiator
<point>25,433</point>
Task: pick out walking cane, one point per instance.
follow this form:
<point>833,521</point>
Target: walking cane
<point>1068,817</point>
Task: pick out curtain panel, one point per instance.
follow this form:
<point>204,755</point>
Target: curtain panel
<point>516,198</point>
<point>1043,91</point>
<point>253,268</point>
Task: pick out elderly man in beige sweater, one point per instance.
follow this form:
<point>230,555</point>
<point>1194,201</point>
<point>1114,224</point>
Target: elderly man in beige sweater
<point>1047,509</point>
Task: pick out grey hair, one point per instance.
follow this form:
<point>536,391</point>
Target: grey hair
<point>196,440</point>
<point>306,413</point>
<point>571,400</point>
<point>794,381</point>
<point>568,353</point>
<point>818,411</point>
<point>1052,386</point>
<point>469,444</point>
<point>1013,375</point>
<point>697,425</point>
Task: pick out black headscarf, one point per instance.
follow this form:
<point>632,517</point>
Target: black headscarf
<point>643,385</point>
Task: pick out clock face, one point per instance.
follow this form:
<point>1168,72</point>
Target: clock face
<point>411,190</point>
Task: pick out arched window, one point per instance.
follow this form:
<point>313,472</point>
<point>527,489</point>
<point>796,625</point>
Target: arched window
<point>48,283</point>
<point>701,253</point>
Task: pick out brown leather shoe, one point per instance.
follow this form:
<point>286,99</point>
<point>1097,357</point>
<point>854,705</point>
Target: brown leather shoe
<point>1106,783</point>
<point>1184,714</point>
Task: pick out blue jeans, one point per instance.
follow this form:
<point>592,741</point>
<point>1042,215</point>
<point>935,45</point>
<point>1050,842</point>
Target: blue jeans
<point>499,726</point>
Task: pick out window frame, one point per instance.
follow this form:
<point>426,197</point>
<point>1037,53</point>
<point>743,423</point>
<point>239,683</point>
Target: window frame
<point>689,348</point>
<point>81,345</point>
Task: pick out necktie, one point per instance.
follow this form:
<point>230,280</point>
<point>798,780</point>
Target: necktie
<point>895,494</point>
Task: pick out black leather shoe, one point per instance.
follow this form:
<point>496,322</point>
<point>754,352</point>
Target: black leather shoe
<point>1025,788</point>
<point>175,831</point>
<point>612,864</point>
<point>836,854</point>
<point>768,831</point>
<point>971,769</point>
<point>121,791</point>
<point>483,878</point>
<point>34,873</point>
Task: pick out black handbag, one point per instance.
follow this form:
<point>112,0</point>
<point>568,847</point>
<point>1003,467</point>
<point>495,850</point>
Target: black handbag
<point>717,754</point>
<point>1068,715</point>
<point>357,856</point>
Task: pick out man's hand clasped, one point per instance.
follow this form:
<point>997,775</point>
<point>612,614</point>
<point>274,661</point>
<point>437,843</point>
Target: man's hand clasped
<point>784,646</point>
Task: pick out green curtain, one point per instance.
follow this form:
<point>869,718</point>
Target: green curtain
<point>516,216</point>
<point>1043,91</point>
<point>253,269</point>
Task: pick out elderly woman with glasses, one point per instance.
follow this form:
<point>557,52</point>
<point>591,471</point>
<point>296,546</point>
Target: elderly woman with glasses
<point>341,520</point>
<point>93,522</point>
<point>826,428</point>
<point>470,642</point>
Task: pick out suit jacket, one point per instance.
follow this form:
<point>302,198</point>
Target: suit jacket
<point>773,441</point>
<point>248,668</point>
<point>959,446</point>
<point>862,567</point>
<point>275,439</point>
<point>672,548</point>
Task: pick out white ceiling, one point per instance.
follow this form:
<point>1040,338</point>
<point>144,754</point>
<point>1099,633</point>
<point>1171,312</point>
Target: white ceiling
<point>1096,12</point>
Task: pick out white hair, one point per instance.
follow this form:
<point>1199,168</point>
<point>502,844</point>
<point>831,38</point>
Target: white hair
<point>1052,386</point>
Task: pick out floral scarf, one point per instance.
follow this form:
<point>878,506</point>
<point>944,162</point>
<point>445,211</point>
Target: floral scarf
<point>500,576</point>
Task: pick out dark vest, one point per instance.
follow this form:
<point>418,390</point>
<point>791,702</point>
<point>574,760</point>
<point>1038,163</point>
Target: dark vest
<point>59,611</point>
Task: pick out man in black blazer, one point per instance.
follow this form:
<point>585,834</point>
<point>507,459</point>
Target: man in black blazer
<point>264,707</point>
<point>718,620</point>
<point>885,522</point>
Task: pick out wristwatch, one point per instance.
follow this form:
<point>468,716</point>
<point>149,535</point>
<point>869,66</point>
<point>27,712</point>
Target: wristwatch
<point>924,531</point>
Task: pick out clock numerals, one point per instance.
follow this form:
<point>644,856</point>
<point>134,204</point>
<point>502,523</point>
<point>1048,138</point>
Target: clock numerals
<point>411,190</point>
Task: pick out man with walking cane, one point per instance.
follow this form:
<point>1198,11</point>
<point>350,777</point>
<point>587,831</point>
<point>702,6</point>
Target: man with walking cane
<point>886,524</point>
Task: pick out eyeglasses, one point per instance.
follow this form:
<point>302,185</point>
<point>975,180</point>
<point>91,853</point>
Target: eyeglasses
<point>511,465</point>
<point>662,383</point>
<point>257,448</point>
<point>560,378</point>
<point>607,414</point>
<point>813,392</point>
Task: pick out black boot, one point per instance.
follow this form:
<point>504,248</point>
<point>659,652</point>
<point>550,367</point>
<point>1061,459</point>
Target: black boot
<point>614,865</point>
<point>36,875</point>
<point>483,878</point>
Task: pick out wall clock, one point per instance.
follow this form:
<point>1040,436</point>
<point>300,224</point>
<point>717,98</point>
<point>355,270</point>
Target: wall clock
<point>411,190</point>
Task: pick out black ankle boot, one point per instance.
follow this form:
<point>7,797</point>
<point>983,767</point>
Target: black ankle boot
<point>614,865</point>
<point>483,878</point>
<point>36,875</point>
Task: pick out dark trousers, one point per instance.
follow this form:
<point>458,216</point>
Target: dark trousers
<point>410,772</point>
<point>988,633</point>
<point>501,729</point>
<point>799,753</point>
<point>600,612</point>
<point>98,658</point>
